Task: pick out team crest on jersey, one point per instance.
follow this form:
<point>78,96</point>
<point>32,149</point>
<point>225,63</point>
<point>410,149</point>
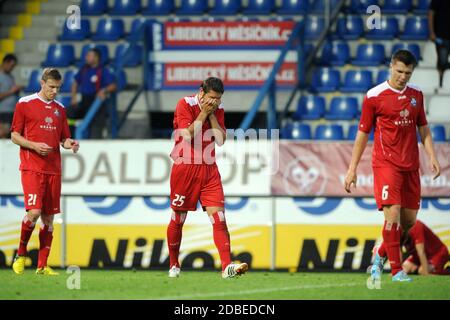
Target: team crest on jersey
<point>413,102</point>
<point>56,113</point>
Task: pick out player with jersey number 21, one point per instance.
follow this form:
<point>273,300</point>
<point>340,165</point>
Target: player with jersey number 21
<point>395,108</point>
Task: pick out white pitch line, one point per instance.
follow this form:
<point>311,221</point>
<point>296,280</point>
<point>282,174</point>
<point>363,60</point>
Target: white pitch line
<point>318,286</point>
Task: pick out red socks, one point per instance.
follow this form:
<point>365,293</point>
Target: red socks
<point>174,233</point>
<point>221,237</point>
<point>391,240</point>
<point>45,243</point>
<point>25,234</point>
<point>382,250</point>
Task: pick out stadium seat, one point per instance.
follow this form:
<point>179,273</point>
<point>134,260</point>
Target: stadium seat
<point>369,55</point>
<point>310,108</point>
<point>396,6</point>
<point>360,6</point>
<point>103,51</point>
<point>134,57</point>
<point>325,80</point>
<point>314,25</point>
<point>135,26</point>
<point>342,108</point>
<point>413,47</point>
<point>34,84</point>
<point>353,130</point>
<point>445,89</point>
<point>388,29</point>
<point>59,55</point>
<point>226,7</point>
<point>260,7</point>
<point>121,80</point>
<point>438,132</point>
<point>422,6</point>
<point>438,110</point>
<point>335,53</point>
<point>212,19</point>
<point>125,7</point>
<point>93,7</point>
<point>329,132</point>
<point>67,81</point>
<point>296,131</point>
<point>293,7</point>
<point>350,27</point>
<point>159,7</point>
<point>109,30</point>
<point>416,28</point>
<point>357,81</point>
<point>318,6</point>
<point>382,76</point>
<point>426,79</point>
<point>80,34</point>
<point>192,7</point>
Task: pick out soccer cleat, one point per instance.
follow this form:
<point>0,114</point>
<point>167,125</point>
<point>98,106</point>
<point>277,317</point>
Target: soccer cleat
<point>234,269</point>
<point>19,264</point>
<point>401,276</point>
<point>46,271</point>
<point>378,265</point>
<point>174,272</point>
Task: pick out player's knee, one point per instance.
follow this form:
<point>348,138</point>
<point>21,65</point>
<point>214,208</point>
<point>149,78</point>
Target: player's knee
<point>33,215</point>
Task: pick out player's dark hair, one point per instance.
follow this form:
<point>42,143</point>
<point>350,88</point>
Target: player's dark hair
<point>51,73</point>
<point>97,52</point>
<point>9,57</point>
<point>404,56</point>
<point>212,83</point>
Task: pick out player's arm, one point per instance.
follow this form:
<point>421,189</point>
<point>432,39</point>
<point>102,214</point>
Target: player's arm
<point>41,148</point>
<point>358,150</point>
<point>420,248</point>
<point>195,127</point>
<point>427,141</point>
<point>219,134</point>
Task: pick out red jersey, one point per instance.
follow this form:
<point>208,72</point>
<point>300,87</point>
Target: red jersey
<point>420,233</point>
<point>201,149</point>
<point>40,121</point>
<point>395,115</point>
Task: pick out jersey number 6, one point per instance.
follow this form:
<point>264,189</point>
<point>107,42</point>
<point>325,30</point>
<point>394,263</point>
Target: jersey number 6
<point>178,201</point>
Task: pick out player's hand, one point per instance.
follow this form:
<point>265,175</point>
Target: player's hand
<point>210,105</point>
<point>73,101</point>
<point>350,179</point>
<point>42,148</point>
<point>435,167</point>
<point>72,144</point>
<point>16,89</point>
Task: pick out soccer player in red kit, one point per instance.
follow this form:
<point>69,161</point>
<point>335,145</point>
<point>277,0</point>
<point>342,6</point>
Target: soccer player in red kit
<point>39,127</point>
<point>395,108</point>
<point>199,124</point>
<point>427,253</point>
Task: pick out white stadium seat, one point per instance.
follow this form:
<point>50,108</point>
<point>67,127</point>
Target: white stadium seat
<point>445,83</point>
<point>426,79</point>
<point>439,109</point>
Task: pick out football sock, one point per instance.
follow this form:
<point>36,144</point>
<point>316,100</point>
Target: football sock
<point>25,234</point>
<point>382,250</point>
<point>391,239</point>
<point>174,233</point>
<point>221,237</point>
<point>45,243</point>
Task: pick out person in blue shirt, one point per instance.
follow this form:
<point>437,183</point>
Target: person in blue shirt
<point>92,80</point>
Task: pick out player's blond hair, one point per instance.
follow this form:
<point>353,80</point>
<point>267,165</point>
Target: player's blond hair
<point>51,73</point>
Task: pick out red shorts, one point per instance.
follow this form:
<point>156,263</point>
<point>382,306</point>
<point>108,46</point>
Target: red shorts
<point>438,261</point>
<point>42,191</point>
<point>396,187</point>
<point>190,183</point>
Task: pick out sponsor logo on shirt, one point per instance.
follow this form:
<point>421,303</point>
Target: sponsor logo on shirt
<point>404,121</point>
<point>48,124</point>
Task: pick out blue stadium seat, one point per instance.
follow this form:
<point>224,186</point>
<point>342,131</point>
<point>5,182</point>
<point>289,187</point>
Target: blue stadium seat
<point>353,130</point>
<point>65,100</point>
<point>335,53</point>
<point>159,7</point>
<point>260,7</point>
<point>416,28</point>
<point>135,26</point>
<point>212,19</point>
<point>318,6</point>
<point>389,29</point>
<point>329,132</point>
<point>293,7</point>
<point>310,108</point>
<point>307,49</point>
<point>67,81</point>
<point>59,55</point>
<point>121,80</point>
<point>350,27</point>
<point>125,7</point>
<point>396,6</point>
<point>369,55</point>
<point>360,6</point>
<point>80,34</point>
<point>357,81</point>
<point>103,51</point>
<point>325,80</point>
<point>109,30</point>
<point>314,25</point>
<point>134,57</point>
<point>422,6</point>
<point>382,76</point>
<point>192,7</point>
<point>226,7</point>
<point>34,84</point>
<point>413,47</point>
<point>342,108</point>
<point>93,7</point>
<point>296,131</point>
<point>438,132</point>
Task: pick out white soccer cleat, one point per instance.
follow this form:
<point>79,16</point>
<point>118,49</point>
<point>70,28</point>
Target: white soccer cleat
<point>234,269</point>
<point>174,272</point>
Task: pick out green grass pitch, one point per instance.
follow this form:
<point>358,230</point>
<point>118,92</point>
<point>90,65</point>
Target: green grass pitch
<point>193,285</point>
